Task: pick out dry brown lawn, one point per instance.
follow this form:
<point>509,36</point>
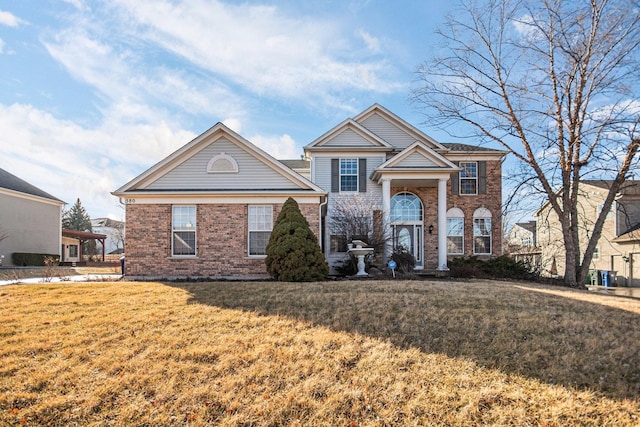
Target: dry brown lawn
<point>335,353</point>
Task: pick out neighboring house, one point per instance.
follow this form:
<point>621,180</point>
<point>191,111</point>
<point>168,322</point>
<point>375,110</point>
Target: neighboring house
<point>619,246</point>
<point>72,243</point>
<point>522,235</point>
<point>208,209</point>
<point>30,219</point>
<point>522,246</point>
<point>114,230</point>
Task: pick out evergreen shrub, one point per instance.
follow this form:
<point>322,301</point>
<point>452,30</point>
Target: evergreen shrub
<point>293,252</point>
<point>29,259</point>
<point>501,267</point>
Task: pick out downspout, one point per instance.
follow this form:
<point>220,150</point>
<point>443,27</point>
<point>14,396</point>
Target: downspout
<point>320,234</point>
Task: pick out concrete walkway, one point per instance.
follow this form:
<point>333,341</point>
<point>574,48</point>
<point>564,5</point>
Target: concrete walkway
<point>75,278</point>
<point>616,290</point>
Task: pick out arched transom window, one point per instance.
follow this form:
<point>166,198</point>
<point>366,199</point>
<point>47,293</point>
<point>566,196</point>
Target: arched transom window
<point>406,207</point>
<point>222,163</point>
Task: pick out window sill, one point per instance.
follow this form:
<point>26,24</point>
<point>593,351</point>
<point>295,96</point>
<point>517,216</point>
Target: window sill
<point>183,257</point>
<point>256,256</point>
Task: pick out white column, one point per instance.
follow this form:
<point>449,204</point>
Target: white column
<point>442,224</point>
<point>386,215</point>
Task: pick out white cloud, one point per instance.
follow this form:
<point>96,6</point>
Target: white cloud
<point>260,47</point>
<point>87,163</point>
<point>280,147</point>
<point>78,4</point>
<point>1,46</point>
<point>136,89</point>
<point>373,44</point>
<point>526,26</point>
<point>234,124</point>
<point>9,19</point>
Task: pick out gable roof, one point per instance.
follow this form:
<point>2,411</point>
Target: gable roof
<point>151,181</point>
<point>11,182</point>
<point>418,156</point>
<point>349,135</point>
<point>416,159</point>
<point>417,134</point>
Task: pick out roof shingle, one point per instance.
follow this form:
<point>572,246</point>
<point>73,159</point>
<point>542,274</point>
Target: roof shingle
<point>12,182</point>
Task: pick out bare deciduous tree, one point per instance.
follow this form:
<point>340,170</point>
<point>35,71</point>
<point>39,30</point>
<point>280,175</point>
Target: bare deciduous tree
<point>360,218</point>
<point>555,83</point>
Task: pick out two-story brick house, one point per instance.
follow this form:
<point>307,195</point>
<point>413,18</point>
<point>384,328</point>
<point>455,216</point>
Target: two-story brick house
<point>207,209</point>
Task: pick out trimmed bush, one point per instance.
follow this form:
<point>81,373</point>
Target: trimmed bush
<point>501,267</point>
<point>293,252</point>
<point>24,259</point>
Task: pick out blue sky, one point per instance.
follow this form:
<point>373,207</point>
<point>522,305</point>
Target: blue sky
<point>92,93</point>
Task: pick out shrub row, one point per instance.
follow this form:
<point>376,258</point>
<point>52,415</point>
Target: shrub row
<point>24,258</point>
<point>501,267</point>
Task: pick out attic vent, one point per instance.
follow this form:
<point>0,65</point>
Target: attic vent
<point>222,163</point>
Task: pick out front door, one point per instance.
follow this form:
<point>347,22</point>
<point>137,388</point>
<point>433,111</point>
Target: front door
<point>406,221</point>
<point>409,237</point>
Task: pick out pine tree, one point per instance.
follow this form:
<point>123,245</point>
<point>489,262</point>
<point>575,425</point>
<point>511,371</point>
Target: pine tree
<point>293,253</point>
<point>76,218</point>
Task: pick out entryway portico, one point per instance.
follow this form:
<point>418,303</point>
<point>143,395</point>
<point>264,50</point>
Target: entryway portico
<point>416,167</point>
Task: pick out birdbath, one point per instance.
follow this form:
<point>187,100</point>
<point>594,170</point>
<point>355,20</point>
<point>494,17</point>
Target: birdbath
<point>360,252</point>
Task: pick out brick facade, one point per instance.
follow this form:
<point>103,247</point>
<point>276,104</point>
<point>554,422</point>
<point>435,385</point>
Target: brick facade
<point>492,201</point>
<point>221,241</point>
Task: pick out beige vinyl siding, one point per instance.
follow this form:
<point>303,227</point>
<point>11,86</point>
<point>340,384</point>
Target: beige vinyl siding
<point>30,225</point>
<point>322,172</point>
<point>388,131</point>
<point>252,173</point>
<point>349,138</point>
<point>414,160</point>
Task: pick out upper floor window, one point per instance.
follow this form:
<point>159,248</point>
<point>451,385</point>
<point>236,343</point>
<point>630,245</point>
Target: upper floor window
<point>183,231</point>
<point>348,174</point>
<point>260,225</point>
<point>468,178</point>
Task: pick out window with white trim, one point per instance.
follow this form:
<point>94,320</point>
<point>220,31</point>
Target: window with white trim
<point>482,232</point>
<point>468,177</point>
<point>348,174</point>
<point>455,231</point>
<point>260,226</point>
<point>183,231</point>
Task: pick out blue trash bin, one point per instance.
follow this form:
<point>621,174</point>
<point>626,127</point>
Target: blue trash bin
<point>604,277</point>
